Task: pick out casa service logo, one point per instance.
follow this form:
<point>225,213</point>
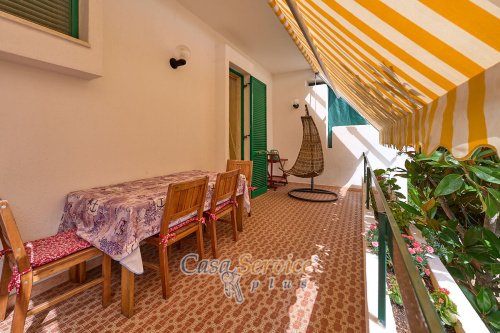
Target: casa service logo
<point>247,265</point>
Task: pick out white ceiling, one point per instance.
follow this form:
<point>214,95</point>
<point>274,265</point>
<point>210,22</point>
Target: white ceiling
<point>252,27</point>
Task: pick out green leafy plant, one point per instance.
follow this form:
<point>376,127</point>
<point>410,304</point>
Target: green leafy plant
<point>394,292</point>
<point>445,307</point>
<point>485,303</point>
<point>456,205</point>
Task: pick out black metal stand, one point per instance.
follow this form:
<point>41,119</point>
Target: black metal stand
<point>333,196</point>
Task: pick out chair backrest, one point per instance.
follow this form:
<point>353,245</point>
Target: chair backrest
<point>11,238</point>
<point>226,186</point>
<point>184,198</point>
<point>245,167</point>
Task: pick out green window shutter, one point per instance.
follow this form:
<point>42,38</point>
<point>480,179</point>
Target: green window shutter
<point>58,15</point>
<point>258,135</point>
<point>340,113</point>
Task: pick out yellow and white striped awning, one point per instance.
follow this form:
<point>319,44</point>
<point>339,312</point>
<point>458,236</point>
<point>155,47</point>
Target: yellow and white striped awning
<point>425,73</point>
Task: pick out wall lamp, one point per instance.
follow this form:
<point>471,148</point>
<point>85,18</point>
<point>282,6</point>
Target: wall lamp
<point>295,104</point>
<point>182,55</point>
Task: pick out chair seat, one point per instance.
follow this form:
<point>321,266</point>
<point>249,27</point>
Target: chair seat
<point>45,250</point>
<point>221,205</point>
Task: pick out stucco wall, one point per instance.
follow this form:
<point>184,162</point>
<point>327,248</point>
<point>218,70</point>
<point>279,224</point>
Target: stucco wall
<point>60,133</point>
<point>343,162</point>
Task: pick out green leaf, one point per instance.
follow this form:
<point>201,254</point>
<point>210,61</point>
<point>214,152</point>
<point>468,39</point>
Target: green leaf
<point>493,268</point>
<point>399,195</point>
<point>481,254</point>
<point>452,224</point>
<point>485,173</point>
<point>480,153</point>
<point>472,236</point>
<point>449,184</point>
<point>494,193</point>
<point>484,300</point>
<point>448,256</point>
<point>449,236</point>
<point>492,241</point>
<point>456,273</point>
<point>410,209</point>
<point>491,206</point>
<point>433,212</point>
<point>494,319</point>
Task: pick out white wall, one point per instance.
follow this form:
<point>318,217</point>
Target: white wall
<point>61,133</point>
<point>343,162</point>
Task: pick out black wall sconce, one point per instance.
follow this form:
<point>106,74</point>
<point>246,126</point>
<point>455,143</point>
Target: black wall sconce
<point>295,104</point>
<point>182,55</point>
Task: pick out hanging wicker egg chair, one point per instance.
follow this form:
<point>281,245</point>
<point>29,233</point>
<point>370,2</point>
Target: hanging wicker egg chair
<point>310,163</point>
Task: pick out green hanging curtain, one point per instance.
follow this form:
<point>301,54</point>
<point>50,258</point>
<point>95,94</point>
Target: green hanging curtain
<point>341,114</point>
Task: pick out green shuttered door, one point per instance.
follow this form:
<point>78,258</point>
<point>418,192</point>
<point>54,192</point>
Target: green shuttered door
<point>258,135</point>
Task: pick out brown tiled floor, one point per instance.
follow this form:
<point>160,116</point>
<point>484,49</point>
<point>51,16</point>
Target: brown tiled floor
<point>331,300</point>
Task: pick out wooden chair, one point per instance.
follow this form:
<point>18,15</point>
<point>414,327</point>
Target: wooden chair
<point>183,199</point>
<point>223,202</point>
<point>246,168</point>
<point>27,263</point>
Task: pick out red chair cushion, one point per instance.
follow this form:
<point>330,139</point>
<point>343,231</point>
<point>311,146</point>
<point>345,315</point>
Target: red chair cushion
<point>49,249</point>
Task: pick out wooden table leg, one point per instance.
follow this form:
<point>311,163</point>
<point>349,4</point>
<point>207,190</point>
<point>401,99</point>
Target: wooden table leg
<point>239,213</point>
<point>127,292</point>
<point>78,273</point>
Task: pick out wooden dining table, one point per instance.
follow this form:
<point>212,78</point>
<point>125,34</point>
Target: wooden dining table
<point>116,218</point>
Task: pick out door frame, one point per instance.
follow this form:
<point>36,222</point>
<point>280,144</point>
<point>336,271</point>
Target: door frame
<point>242,109</point>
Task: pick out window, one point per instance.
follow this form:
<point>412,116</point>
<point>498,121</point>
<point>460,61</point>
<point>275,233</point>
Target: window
<point>340,113</point>
<point>58,15</point>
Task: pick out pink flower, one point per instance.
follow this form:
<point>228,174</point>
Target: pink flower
<point>375,244</point>
<point>411,250</point>
<point>444,290</point>
<point>415,244</point>
<point>419,259</point>
<point>429,249</point>
<point>419,250</point>
<point>373,226</point>
<point>441,301</point>
<point>427,272</point>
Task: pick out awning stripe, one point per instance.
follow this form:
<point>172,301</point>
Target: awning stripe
<point>477,124</point>
<point>363,50</point>
<point>445,40</point>
<point>358,66</point>
<point>381,43</point>
<point>424,74</point>
<point>492,106</point>
<point>478,22</point>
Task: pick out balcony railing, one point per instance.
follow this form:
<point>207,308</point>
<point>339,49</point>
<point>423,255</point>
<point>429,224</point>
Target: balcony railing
<point>420,311</point>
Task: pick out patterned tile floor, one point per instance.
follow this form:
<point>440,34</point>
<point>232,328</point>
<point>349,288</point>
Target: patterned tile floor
<point>327,297</point>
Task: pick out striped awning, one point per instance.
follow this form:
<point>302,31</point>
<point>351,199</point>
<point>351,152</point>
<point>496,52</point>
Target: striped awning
<point>425,73</point>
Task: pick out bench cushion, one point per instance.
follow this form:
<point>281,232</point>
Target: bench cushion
<point>49,249</point>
